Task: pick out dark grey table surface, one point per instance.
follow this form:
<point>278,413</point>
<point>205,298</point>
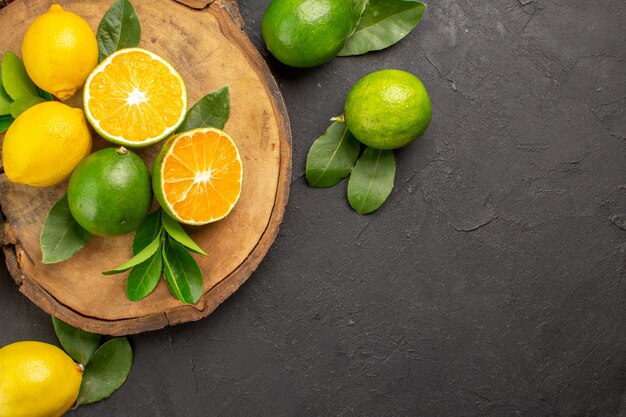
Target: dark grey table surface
<point>490,283</point>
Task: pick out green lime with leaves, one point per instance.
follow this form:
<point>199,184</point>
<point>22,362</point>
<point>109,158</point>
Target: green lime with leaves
<point>110,192</point>
<point>388,109</point>
<point>307,33</point>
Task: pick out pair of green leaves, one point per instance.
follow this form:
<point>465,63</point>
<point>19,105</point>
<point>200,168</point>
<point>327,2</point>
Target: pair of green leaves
<point>161,247</point>
<point>337,154</point>
<point>382,23</point>
<point>106,366</point>
<point>18,93</point>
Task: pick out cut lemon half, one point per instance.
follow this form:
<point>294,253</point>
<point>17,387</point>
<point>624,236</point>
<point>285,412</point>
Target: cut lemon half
<point>197,176</point>
<point>135,98</point>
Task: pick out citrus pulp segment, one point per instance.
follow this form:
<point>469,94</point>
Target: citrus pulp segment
<point>197,176</point>
<point>135,98</point>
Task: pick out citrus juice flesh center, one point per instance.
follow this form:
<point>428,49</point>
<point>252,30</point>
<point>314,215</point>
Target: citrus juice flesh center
<point>136,97</point>
<point>201,176</point>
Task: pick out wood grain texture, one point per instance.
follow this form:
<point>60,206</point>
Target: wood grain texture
<point>210,50</point>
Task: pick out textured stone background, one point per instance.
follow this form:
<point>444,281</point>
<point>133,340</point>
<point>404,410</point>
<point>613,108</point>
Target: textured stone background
<point>491,282</point>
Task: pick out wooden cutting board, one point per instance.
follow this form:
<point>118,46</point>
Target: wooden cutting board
<point>205,42</point>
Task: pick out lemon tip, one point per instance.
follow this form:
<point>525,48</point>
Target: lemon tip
<point>56,8</point>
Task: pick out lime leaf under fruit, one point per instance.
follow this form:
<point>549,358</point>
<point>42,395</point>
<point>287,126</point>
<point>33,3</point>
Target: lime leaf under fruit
<point>371,180</point>
<point>15,79</point>
<point>147,231</point>
<point>79,344</point>
<point>382,24</point>
<point>20,105</point>
<point>109,193</point>
<point>182,274</point>
<point>118,29</point>
<point>5,122</point>
<point>211,110</point>
<point>61,235</point>
<point>5,100</point>
<point>141,257</point>
<point>176,232</point>
<point>106,371</point>
<point>331,156</point>
<point>388,109</point>
<point>144,277</point>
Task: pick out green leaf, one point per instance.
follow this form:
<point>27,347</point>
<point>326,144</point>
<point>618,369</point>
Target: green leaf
<point>20,105</point>
<point>176,232</point>
<point>45,95</point>
<point>61,235</point>
<point>118,29</point>
<point>106,371</point>
<point>142,256</point>
<point>331,156</point>
<point>383,24</point>
<point>182,274</point>
<point>5,100</point>
<point>371,180</point>
<point>359,8</point>
<point>5,122</point>
<point>15,79</point>
<point>211,110</point>
<point>149,230</point>
<point>144,278</point>
<point>79,344</point>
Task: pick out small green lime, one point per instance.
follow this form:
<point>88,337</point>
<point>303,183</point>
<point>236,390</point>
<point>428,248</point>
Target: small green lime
<point>306,33</point>
<point>388,109</point>
<point>110,192</point>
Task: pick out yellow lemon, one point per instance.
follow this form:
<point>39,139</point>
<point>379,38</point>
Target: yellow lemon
<point>59,52</point>
<point>37,380</point>
<point>45,143</point>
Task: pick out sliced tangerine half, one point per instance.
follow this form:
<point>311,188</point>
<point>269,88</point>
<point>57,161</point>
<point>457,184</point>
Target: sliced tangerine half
<point>197,176</point>
<point>135,98</point>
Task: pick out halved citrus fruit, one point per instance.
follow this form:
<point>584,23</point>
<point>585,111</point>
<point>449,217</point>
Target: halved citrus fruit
<point>135,98</point>
<point>197,176</point>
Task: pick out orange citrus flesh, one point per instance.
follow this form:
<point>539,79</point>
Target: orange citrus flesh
<point>135,97</point>
<point>201,176</point>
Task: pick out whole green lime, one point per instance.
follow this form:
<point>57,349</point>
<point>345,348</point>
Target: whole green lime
<point>306,33</point>
<point>388,109</point>
<point>109,192</point>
